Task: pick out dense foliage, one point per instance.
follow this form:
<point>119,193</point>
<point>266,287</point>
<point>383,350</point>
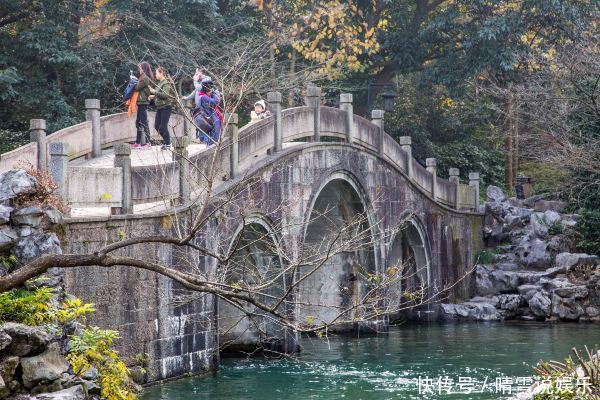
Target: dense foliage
<point>442,57</point>
<point>89,347</point>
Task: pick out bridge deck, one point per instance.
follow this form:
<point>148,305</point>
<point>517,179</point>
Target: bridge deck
<point>144,157</point>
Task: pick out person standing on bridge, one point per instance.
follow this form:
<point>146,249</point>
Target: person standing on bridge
<point>164,97</point>
<point>141,120</point>
<point>208,110</point>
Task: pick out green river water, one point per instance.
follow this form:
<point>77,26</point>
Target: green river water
<point>483,359</point>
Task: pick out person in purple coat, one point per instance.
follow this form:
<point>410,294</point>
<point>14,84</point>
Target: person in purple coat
<point>209,111</point>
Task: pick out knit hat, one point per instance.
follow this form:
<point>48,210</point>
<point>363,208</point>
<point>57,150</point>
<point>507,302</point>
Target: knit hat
<point>261,103</point>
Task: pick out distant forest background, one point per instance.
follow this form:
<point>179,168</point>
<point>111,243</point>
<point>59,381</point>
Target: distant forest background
<point>507,88</point>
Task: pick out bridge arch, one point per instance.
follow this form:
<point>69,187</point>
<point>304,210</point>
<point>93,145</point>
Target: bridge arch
<point>255,257</point>
<point>338,205</point>
<point>410,252</point>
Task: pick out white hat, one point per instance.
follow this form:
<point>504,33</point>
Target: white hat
<point>261,103</point>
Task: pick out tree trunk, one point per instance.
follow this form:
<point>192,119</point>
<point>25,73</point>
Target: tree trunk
<point>292,79</point>
<point>509,172</point>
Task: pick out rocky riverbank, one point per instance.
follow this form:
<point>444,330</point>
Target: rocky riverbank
<point>528,271</point>
<point>32,358</point>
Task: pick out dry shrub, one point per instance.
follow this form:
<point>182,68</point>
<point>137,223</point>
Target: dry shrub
<point>46,195</point>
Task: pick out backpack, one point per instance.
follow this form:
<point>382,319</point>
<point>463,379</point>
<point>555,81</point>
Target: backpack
<point>203,122</point>
<point>129,89</point>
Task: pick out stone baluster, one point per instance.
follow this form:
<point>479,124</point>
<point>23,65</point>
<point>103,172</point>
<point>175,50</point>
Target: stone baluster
<point>37,134</point>
<point>59,164</point>
<point>232,128</point>
<point>123,161</point>
<point>474,183</point>
<point>406,144</point>
<point>181,157</point>
<point>377,116</point>
<point>274,100</point>
<point>313,93</point>
<point>93,115</point>
<point>454,177</point>
<point>346,105</point>
<point>432,168</point>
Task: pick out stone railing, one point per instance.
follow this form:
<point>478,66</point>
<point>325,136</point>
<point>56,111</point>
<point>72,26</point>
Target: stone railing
<point>123,186</point>
<point>86,139</point>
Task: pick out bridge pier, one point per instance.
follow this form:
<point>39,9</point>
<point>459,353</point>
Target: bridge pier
<point>432,168</point>
<point>313,94</point>
<point>181,157</point>
<point>274,100</point>
<point>93,115</point>
<point>346,105</point>
<point>377,116</point>
<point>454,177</point>
<point>406,144</point>
<point>232,128</point>
<point>59,164</point>
<point>123,161</point>
<point>37,134</point>
<point>474,183</point>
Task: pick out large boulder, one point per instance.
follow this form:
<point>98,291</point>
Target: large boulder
<point>72,393</point>
<point>8,366</point>
<point>32,247</point>
<point>541,222</point>
<point>5,214</point>
<point>8,236</point>
<point>26,340</point>
<point>567,261</point>
<point>534,254</point>
<point>46,367</point>
<point>567,309</point>
<point>14,183</point>
<point>540,305</point>
<point>495,194</point>
<point>509,302</point>
<point>528,290</point>
<point>30,216</point>
<point>477,311</point>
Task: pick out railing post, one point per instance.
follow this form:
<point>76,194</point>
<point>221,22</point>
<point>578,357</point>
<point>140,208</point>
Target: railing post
<point>93,114</point>
<point>313,93</point>
<point>123,161</point>
<point>454,177</point>
<point>59,164</point>
<point>274,100</point>
<point>181,157</point>
<point>432,168</point>
<point>232,127</point>
<point>377,118</point>
<point>406,144</point>
<point>37,134</point>
<point>346,105</point>
<point>474,183</point>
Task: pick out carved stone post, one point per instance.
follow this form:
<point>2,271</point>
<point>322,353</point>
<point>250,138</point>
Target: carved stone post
<point>377,116</point>
<point>123,161</point>
<point>181,156</point>
<point>454,177</point>
<point>93,114</point>
<point>406,144</point>
<point>313,93</point>
<point>37,134</point>
<point>432,168</point>
<point>274,100</point>
<point>232,127</point>
<point>346,105</point>
<point>59,164</point>
<point>474,183</point>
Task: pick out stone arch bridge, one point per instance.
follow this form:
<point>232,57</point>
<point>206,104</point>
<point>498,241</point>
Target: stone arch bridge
<point>312,158</point>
